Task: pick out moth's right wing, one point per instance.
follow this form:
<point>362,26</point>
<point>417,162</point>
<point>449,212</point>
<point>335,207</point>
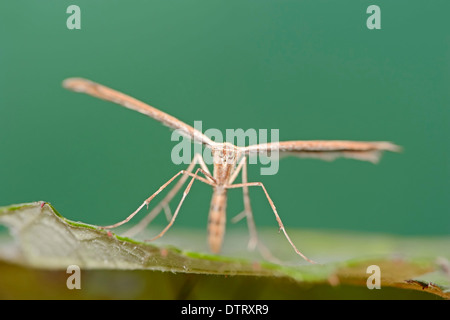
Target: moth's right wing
<point>326,150</point>
<point>105,93</point>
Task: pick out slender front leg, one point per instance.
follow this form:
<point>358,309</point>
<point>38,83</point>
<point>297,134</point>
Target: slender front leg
<point>280,223</point>
<point>185,193</point>
<point>148,200</point>
<point>165,201</point>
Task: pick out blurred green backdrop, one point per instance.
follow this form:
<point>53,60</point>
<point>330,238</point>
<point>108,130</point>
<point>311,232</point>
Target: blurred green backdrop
<point>311,69</point>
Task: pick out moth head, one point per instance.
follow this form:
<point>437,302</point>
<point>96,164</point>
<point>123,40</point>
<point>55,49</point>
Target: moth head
<point>225,153</point>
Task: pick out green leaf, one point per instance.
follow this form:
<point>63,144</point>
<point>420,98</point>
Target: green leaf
<point>45,241</point>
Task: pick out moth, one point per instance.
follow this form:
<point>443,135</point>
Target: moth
<point>228,161</point>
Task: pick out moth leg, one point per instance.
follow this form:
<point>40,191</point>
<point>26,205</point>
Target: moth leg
<point>165,201</point>
<point>185,193</point>
<point>280,223</point>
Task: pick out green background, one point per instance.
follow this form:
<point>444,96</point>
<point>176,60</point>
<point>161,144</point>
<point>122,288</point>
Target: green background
<point>311,69</point>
